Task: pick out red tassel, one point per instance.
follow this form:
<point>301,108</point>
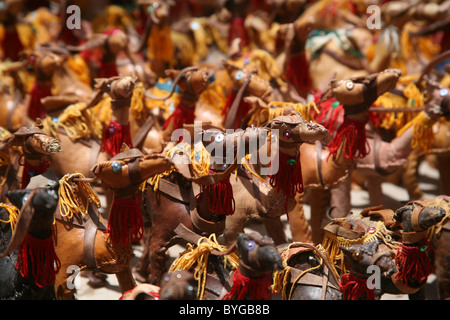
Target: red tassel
<point>220,197</point>
<point>297,73</point>
<point>288,179</point>
<point>413,262</point>
<point>107,70</point>
<point>125,222</point>
<point>242,111</point>
<point>11,44</point>
<point>31,171</point>
<point>37,257</point>
<point>36,109</point>
<point>114,135</point>
<point>181,115</point>
<point>353,288</point>
<point>238,30</point>
<point>331,115</point>
<point>258,288</point>
<point>356,145</point>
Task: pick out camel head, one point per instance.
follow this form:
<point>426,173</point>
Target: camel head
<point>130,168</point>
<point>294,130</point>
<point>360,256</point>
<point>34,141</point>
<point>255,86</point>
<point>258,253</point>
<point>358,94</point>
<point>438,103</point>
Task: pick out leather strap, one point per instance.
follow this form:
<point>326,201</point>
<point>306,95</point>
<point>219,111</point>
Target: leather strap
<point>143,131</point>
<point>319,162</point>
<point>231,115</point>
<point>22,225</point>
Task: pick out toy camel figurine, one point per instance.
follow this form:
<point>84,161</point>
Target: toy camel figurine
<point>77,217</point>
<point>191,81</point>
<point>37,146</point>
<point>29,262</point>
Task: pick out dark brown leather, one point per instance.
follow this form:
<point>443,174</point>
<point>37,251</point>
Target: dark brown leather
<point>22,225</point>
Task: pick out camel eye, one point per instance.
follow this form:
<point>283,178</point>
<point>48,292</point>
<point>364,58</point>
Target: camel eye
<point>251,245</point>
<point>357,255</point>
<point>349,85</point>
<point>287,134</point>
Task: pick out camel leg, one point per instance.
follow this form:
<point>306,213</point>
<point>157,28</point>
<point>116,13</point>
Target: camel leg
<point>443,165</point>
<point>410,175</point>
<point>442,263</point>
<point>233,225</point>
<point>320,202</point>
<point>157,266</point>
<point>275,230</point>
<point>341,199</point>
<point>61,289</point>
<point>297,222</point>
<point>125,279</point>
<point>141,269</point>
<point>374,189</point>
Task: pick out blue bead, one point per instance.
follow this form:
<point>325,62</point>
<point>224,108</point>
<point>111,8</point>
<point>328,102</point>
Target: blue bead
<point>116,167</point>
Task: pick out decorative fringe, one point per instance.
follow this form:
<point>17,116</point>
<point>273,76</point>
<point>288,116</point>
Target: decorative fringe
<point>31,171</point>
<point>413,262</point>
<point>37,258</point>
<point>114,135</point>
<point>257,288</point>
<point>198,256</point>
<point>125,222</point>
<point>36,109</point>
<point>160,45</point>
<point>181,115</point>
<point>238,30</point>
<point>332,242</point>
<point>423,136</point>
<point>297,73</point>
<point>220,197</point>
<point>107,70</point>
<point>70,202</point>
<point>355,288</point>
<point>331,115</point>
<point>354,133</point>
<point>13,213</point>
<point>288,179</point>
<point>276,109</point>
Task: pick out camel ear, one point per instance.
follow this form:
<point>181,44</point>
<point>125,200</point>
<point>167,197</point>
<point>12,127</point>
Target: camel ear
<point>171,73</point>
<point>12,141</point>
<point>124,147</point>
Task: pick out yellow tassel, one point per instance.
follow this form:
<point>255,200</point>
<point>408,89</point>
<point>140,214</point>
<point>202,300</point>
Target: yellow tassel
<point>276,109</point>
<point>13,213</point>
<point>200,160</point>
<point>160,45</point>
<point>70,202</point>
<point>422,132</point>
<point>197,256</point>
